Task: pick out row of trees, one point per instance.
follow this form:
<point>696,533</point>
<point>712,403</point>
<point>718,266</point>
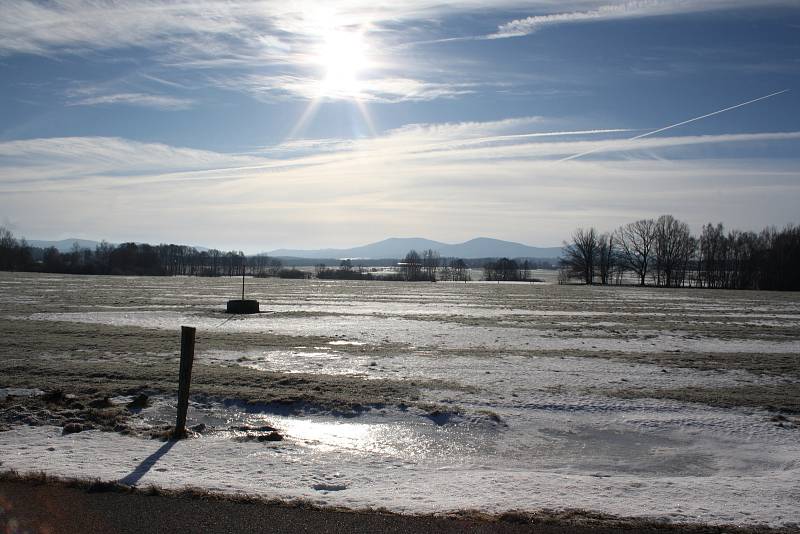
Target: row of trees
<point>663,252</point>
<point>14,255</point>
<point>182,260</point>
<point>660,252</point>
<point>506,270</point>
<point>131,259</point>
<point>346,271</point>
<point>430,266</point>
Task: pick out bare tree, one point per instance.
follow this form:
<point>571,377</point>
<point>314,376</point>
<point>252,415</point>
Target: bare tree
<point>8,245</point>
<point>713,256</point>
<point>746,255</point>
<point>411,266</point>
<point>606,257</point>
<point>430,263</point>
<point>259,262</point>
<point>525,270</point>
<point>75,256</point>
<point>636,242</point>
<point>6,238</point>
<point>459,270</point>
<point>275,266</point>
<point>674,247</point>
<point>502,270</point>
<point>580,256</point>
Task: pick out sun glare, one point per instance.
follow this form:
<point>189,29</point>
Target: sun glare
<point>343,57</point>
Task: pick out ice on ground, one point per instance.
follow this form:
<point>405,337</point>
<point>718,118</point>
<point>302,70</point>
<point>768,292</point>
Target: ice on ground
<point>504,420</point>
<point>493,375</point>
<point>632,458</point>
<point>430,333</point>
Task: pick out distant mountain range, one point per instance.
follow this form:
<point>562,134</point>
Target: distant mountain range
<point>63,245</point>
<point>396,247</point>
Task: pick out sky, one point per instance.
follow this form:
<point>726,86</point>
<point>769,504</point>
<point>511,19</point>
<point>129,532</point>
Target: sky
<point>309,124</point>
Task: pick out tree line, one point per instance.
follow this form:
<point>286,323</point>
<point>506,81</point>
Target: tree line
<point>430,266</point>
<point>181,260</point>
<point>660,252</point>
<point>131,259</point>
<point>663,252</point>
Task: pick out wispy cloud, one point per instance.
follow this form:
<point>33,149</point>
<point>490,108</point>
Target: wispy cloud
<point>122,91</point>
<point>69,160</point>
<point>70,26</point>
<point>684,122</point>
<point>273,27</point>
<point>280,87</point>
<point>399,89</point>
<point>265,48</point>
<point>463,179</point>
<point>625,10</point>
<point>236,30</point>
<point>528,25</point>
<point>268,44</point>
<point>420,151</point>
<point>135,99</point>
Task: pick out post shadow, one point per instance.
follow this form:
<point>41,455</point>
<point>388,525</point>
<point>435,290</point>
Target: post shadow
<point>142,469</point>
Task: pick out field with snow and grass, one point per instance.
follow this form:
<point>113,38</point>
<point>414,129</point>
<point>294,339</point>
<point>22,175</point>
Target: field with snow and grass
<point>680,405</point>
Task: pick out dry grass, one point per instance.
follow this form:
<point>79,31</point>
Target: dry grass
<point>783,398</point>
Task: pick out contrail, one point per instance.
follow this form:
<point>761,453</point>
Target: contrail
<point>576,156</point>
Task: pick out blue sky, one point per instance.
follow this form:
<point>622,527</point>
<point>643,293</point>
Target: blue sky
<point>259,125</point>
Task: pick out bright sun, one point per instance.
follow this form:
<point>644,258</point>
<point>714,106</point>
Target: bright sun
<point>343,57</point>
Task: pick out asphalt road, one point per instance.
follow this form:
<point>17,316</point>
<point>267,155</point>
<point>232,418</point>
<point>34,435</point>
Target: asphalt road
<point>52,508</point>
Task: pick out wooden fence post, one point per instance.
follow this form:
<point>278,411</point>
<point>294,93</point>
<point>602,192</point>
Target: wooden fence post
<point>184,379</point>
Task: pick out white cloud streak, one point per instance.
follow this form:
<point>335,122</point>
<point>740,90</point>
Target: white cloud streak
<point>384,90</point>
<point>250,35</point>
<point>463,179</point>
<point>626,10</point>
<point>56,162</point>
<point>681,123</point>
<point>71,159</point>
<point>136,99</point>
<point>270,28</point>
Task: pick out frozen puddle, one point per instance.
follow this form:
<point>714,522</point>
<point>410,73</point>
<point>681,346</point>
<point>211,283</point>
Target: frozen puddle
<point>408,435</point>
<point>632,458</point>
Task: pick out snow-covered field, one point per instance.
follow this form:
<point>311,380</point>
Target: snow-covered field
<point>548,396</point>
